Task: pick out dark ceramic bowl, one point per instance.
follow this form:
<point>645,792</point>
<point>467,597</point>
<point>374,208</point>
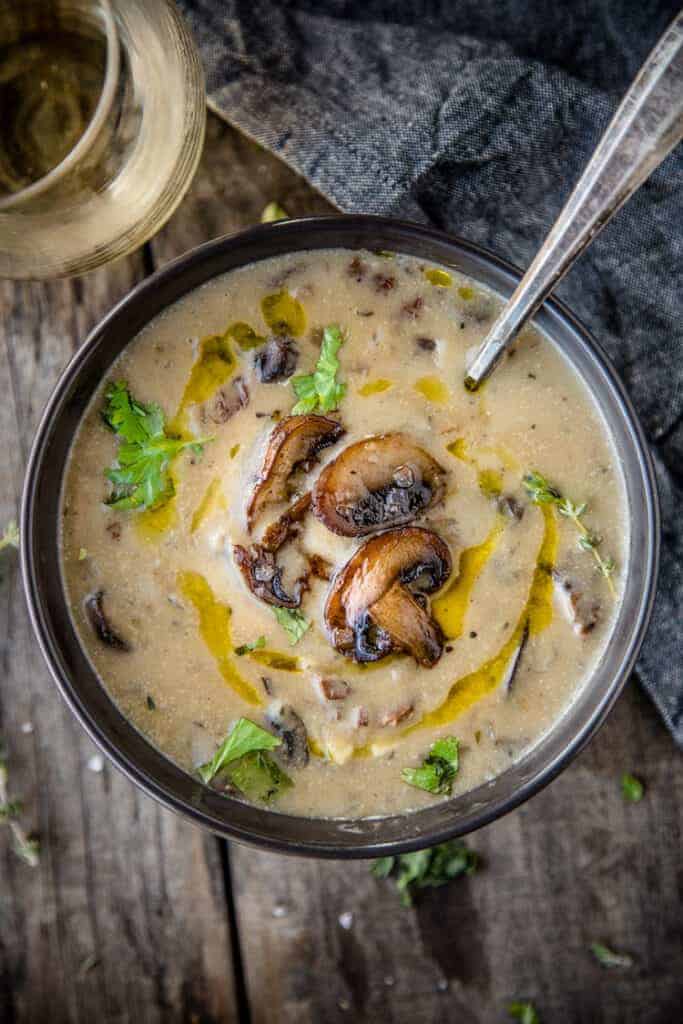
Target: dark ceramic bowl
<point>127,747</point>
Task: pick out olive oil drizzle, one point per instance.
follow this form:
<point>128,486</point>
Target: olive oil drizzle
<point>210,499</point>
<point>536,615</point>
<point>276,660</point>
<point>433,389</point>
<point>490,480</point>
<point>375,387</point>
<point>214,627</point>
<point>450,608</point>
<point>150,523</point>
<point>214,365</point>
<point>284,314</point>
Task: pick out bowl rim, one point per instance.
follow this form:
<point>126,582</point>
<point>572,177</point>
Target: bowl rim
<point>203,809</point>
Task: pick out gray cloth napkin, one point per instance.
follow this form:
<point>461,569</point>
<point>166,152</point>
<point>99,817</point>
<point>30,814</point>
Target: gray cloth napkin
<point>477,116</point>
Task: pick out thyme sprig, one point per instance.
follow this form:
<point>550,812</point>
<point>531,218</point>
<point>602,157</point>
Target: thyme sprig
<point>25,846</point>
<point>542,492</point>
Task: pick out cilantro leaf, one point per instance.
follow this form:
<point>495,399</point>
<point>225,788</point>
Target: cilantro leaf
<point>608,958</point>
<point>632,788</point>
<point>140,474</point>
<point>247,648</point>
<point>10,536</point>
<point>258,776</point>
<point>272,212</point>
<point>320,389</point>
<point>524,1012</point>
<point>383,866</point>
<point>434,866</point>
<point>438,769</point>
<point>244,738</point>
<point>293,623</point>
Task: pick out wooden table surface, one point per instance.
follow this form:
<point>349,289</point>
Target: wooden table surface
<point>133,915</point>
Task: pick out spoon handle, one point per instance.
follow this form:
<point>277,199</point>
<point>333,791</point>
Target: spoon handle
<point>645,128</point>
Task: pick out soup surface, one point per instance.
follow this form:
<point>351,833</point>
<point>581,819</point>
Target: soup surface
<point>358,557</point>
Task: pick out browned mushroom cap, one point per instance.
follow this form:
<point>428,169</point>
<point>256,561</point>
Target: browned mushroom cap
<point>373,484</point>
<point>294,444</point>
<point>370,610</point>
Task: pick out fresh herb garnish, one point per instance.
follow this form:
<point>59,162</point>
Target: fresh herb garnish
<point>524,1012</point>
<point>151,703</point>
<point>320,390</point>
<point>293,623</point>
<point>247,648</point>
<point>272,212</point>
<point>10,536</point>
<point>244,738</point>
<point>542,492</point>
<point>258,776</point>
<point>243,759</point>
<point>25,846</point>
<point>608,958</point>
<point>438,768</point>
<point>432,867</point>
<point>632,788</point>
<point>140,474</point>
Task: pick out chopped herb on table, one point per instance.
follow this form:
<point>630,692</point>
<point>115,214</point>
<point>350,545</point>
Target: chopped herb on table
<point>257,645</point>
<point>243,757</point>
<point>320,391</point>
<point>140,474</point>
<point>25,846</point>
<point>293,623</point>
<point>632,788</point>
<point>424,868</point>
<point>438,769</point>
<point>524,1012</point>
<point>542,492</point>
<point>608,958</point>
<point>10,536</point>
<point>272,212</point>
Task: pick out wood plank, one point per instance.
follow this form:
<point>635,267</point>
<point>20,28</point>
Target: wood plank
<point>124,919</point>
<point>574,865</point>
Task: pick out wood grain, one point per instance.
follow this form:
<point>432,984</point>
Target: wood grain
<point>128,919</point>
<point>124,919</point>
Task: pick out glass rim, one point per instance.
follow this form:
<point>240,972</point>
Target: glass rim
<point>100,114</point>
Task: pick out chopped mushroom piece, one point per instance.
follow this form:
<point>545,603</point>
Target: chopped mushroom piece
<point>331,689</point>
<point>227,401</point>
<point>97,618</point>
<point>294,444</point>
<point>360,717</point>
<point>370,610</point>
<point>286,526</point>
<point>509,506</point>
<point>373,484</point>
<point>277,359</point>
<point>513,663</point>
<point>581,610</point>
<point>396,715</point>
<point>320,567</point>
<point>263,576</point>
<point>292,731</point>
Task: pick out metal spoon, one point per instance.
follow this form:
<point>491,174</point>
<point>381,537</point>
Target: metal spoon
<point>645,128</point>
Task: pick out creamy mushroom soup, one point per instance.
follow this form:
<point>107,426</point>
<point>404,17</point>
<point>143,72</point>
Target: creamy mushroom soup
<point>310,566</point>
